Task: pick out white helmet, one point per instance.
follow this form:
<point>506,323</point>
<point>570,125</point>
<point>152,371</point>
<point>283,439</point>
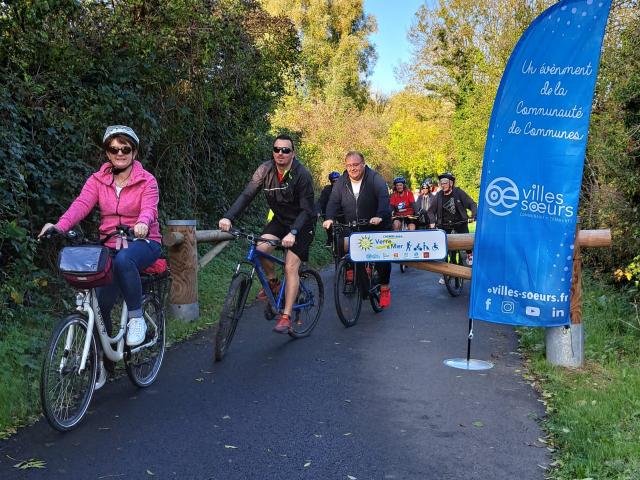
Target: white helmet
<point>113,130</point>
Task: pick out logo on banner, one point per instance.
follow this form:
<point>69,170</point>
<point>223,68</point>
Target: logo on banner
<point>503,196</point>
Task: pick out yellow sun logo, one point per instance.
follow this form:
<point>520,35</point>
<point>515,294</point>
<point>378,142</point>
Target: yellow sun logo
<point>365,243</point>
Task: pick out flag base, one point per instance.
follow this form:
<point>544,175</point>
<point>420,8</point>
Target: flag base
<point>468,364</point>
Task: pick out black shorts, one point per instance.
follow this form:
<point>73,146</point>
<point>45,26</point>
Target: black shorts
<point>303,239</point>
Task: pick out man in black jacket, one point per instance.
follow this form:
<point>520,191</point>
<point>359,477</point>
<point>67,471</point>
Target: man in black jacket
<point>362,194</point>
<point>288,188</point>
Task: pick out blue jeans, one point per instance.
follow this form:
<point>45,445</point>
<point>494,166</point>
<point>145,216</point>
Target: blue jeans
<point>127,265</point>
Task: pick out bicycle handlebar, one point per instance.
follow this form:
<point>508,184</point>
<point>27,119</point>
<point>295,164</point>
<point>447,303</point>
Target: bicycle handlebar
<point>75,237</point>
<point>237,232</point>
<point>461,222</point>
<point>352,224</point>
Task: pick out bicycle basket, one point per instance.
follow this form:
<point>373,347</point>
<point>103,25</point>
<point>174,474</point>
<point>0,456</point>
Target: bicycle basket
<point>85,266</point>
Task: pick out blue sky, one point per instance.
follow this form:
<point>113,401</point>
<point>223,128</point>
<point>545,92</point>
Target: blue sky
<point>394,18</point>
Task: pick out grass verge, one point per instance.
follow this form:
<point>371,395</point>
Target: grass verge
<point>593,413</point>
<point>24,338</point>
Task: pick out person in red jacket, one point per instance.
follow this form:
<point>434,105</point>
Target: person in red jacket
<point>128,195</point>
<point>402,201</point>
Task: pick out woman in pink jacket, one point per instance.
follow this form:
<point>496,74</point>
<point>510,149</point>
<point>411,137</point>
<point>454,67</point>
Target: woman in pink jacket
<point>127,195</point>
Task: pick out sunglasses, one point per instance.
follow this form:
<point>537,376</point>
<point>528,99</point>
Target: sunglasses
<point>285,150</point>
<point>123,150</point>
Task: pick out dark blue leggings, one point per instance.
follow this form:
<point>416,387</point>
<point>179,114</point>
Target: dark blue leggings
<point>127,265</point>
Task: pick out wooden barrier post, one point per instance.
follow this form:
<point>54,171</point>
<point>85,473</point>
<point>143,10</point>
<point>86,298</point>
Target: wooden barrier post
<point>183,258</point>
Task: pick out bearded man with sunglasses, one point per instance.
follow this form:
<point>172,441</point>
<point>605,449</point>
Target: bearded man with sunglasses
<point>288,188</point>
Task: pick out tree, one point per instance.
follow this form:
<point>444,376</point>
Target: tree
<point>336,53</point>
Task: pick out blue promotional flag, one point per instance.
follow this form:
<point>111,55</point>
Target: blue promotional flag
<point>532,168</point>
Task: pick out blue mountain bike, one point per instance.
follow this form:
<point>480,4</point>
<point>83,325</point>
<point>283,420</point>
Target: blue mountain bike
<point>306,309</point>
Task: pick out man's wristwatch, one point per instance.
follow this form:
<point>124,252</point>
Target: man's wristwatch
<point>294,231</point>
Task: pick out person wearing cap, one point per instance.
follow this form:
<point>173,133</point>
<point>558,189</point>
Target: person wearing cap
<point>423,202</point>
<point>126,194</point>
<point>402,201</point>
<point>321,204</point>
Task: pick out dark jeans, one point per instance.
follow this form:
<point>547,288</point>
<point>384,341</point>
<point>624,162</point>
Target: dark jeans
<point>127,265</point>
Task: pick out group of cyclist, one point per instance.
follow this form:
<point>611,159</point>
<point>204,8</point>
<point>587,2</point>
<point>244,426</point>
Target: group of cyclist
<point>360,193</point>
<point>128,195</point>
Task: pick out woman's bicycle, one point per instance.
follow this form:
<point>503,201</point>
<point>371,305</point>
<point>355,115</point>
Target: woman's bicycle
<point>455,285</point>
<point>306,309</point>
<point>403,226</point>
<point>353,281</point>
<point>70,367</point>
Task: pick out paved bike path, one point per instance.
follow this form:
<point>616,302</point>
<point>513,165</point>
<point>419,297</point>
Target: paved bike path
<point>370,402</point>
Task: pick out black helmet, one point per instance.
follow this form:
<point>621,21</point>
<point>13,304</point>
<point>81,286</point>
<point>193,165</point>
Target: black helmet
<point>427,183</point>
<point>334,176</point>
<point>448,176</point>
<point>399,180</point>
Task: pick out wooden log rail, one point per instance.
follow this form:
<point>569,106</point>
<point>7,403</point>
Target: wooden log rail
<point>182,240</point>
<point>464,241</point>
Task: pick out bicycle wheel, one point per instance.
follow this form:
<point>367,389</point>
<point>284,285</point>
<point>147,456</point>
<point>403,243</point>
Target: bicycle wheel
<point>231,312</point>
<point>143,365</point>
<point>65,394</point>
<point>310,294</point>
<point>347,294</point>
<point>374,293</point>
<point>454,284</point>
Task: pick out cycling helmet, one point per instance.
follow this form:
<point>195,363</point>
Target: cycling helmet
<point>114,130</point>
<point>426,184</point>
<point>333,176</point>
<point>448,176</point>
<point>399,180</point>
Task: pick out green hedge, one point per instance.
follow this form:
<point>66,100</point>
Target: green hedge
<point>195,79</point>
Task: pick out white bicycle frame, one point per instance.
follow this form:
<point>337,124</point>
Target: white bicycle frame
<point>83,304</point>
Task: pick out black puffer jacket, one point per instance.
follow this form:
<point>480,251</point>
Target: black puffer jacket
<point>291,201</point>
<point>373,200</point>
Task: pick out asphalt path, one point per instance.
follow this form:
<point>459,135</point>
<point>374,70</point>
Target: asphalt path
<point>374,401</point>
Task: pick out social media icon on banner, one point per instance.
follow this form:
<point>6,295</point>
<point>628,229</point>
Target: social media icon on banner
<point>487,303</point>
<point>508,306</point>
<point>532,311</point>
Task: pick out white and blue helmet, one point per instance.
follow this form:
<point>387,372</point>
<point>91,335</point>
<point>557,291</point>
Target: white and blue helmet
<point>113,130</point>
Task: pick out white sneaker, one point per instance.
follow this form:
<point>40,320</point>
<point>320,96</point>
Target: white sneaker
<point>136,330</point>
<point>441,281</point>
<point>102,376</point>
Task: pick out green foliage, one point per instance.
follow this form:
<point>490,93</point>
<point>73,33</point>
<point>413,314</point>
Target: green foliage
<point>593,413</point>
<point>611,185</point>
<point>196,81</point>
<point>335,52</point>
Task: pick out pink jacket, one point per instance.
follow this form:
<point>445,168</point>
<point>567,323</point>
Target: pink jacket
<point>138,202</point>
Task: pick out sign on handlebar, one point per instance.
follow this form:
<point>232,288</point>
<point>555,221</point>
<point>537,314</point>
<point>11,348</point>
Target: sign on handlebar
<point>402,246</point>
